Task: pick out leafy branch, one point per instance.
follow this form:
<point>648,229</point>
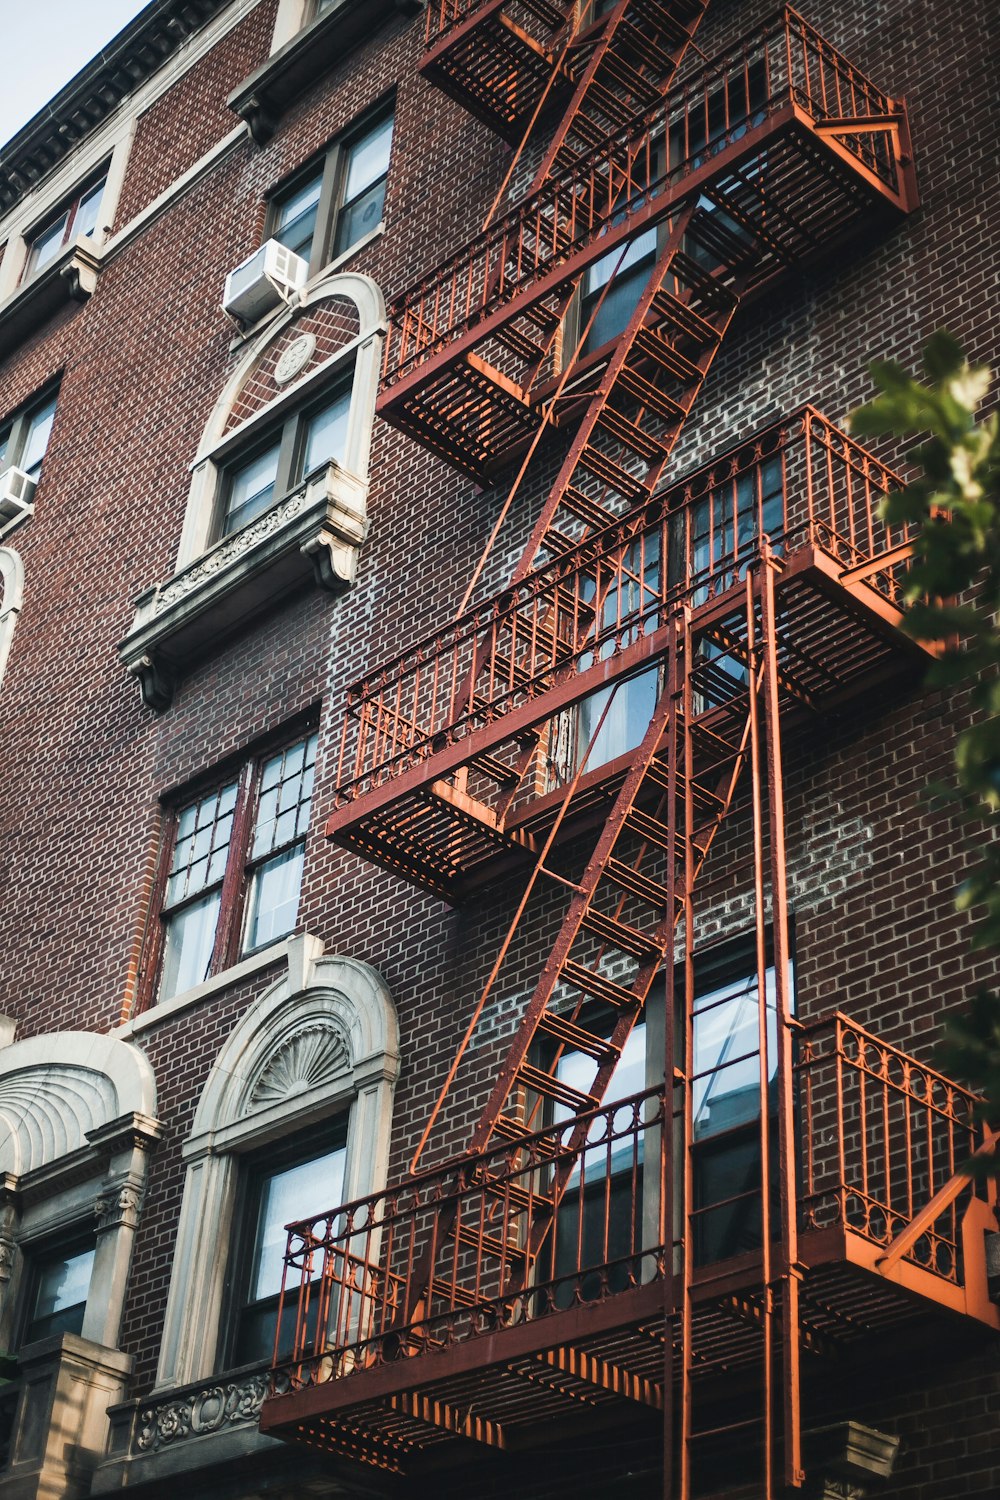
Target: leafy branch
<point>953,598</point>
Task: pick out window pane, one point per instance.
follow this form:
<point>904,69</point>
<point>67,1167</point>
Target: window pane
<point>288,779</point>
<point>85,220</point>
<point>360,217</point>
<point>63,1283</point>
<point>47,245</point>
<point>326,434</point>
<point>4,440</point>
<point>37,438</point>
<point>726,1047</point>
<point>295,1193</point>
<point>368,159</point>
<point>203,832</point>
<point>296,223</point>
<point>190,938</point>
<point>251,490</point>
<point>274,898</point>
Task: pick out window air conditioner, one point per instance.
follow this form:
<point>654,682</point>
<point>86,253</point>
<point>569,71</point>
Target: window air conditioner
<point>269,276</point>
<point>17,491</point>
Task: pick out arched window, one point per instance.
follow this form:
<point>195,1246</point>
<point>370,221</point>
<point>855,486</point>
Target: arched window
<point>279,485</point>
<point>77,1122</point>
<point>296,1112</point>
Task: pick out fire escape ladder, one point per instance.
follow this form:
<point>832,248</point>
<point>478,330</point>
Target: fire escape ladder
<point>633,63</point>
<point>633,420</point>
<point>616,935</point>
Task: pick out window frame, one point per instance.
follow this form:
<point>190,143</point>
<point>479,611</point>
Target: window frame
<point>331,166</point>
<point>236,884</point>
<point>323,1138</point>
<point>70,208</point>
<point>290,435</point>
<point>75,1239</point>
<point>16,429</point>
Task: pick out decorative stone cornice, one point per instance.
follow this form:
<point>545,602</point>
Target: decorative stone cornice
<point>129,1132</point>
<point>315,530</point>
<point>212,1407</point>
<point>263,98</point>
<point>71,277</point>
<point>87,100</point>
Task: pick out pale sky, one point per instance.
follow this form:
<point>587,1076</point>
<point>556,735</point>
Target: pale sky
<point>43,43</point>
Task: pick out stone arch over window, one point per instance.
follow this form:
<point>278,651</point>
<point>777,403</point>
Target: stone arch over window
<point>279,485</point>
<point>77,1122</point>
<point>338,327</point>
<point>320,1044</point>
<point>11,595</point>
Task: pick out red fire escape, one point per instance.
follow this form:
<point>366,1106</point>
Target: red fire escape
<point>609,728</point>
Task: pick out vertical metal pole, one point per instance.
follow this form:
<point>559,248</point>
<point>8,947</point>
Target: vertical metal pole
<point>687,1191</point>
<point>790,1268</point>
<point>668,1149</point>
<point>755,678</point>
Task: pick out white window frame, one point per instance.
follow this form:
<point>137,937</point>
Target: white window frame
<point>345,1014</point>
<point>219,448</point>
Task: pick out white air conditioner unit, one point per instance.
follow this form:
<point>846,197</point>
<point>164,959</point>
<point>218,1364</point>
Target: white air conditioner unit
<point>17,492</point>
<point>269,276</point>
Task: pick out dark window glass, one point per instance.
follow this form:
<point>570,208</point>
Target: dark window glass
<point>363,196</point>
<point>280,1195</point>
<point>308,440</point>
<point>61,1281</point>
<point>25,436</point>
<point>342,199</point>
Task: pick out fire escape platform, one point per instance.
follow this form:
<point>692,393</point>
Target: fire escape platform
<point>787,187</point>
<point>512,1387</point>
<point>498,59</point>
<point>839,637</point>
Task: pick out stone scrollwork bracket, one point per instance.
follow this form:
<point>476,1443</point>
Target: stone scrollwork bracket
<point>156,681</point>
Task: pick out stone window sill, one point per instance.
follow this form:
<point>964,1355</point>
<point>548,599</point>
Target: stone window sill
<point>281,81</point>
<point>72,277</point>
<point>314,532</point>
<point>157,1014</point>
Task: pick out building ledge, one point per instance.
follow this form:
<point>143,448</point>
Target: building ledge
<point>58,1415</point>
<point>265,96</point>
<point>315,532</point>
<point>72,277</point>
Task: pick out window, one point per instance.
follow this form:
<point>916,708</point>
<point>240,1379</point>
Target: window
<point>326,210</point>
<point>75,219</point>
<point>602,1219</point>
<point>726,1213</point>
<point>59,1286</point>
<point>235,870</point>
<point>294,1120</point>
<point>308,440</point>
<point>296,1182</point>
<point>25,436</point>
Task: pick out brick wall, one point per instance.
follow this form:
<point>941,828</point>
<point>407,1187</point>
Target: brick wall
<point>142,364</point>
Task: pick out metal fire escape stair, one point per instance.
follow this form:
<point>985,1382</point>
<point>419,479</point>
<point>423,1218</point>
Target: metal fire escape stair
<point>623,409</point>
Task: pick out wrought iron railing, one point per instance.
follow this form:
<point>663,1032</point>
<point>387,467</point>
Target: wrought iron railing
<point>882,1133</point>
<point>440,1260</point>
<point>637,175</point>
<point>444,15</point>
<point>802,480</point>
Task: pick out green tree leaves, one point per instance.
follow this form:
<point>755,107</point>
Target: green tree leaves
<point>953,589</point>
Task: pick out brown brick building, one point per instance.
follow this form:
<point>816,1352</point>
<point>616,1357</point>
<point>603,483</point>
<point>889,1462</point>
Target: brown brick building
<point>478,645</point>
